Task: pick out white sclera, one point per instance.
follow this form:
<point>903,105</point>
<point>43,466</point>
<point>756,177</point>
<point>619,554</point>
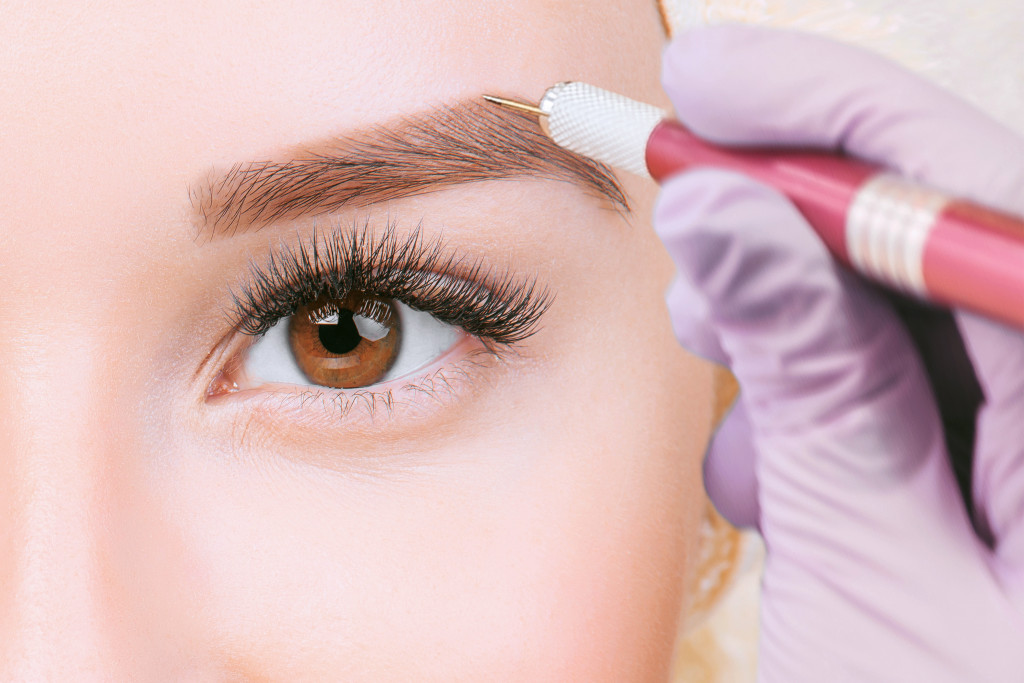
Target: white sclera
<point>424,339</point>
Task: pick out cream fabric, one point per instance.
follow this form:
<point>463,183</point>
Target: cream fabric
<point>972,47</point>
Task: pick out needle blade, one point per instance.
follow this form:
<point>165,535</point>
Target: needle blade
<point>512,104</point>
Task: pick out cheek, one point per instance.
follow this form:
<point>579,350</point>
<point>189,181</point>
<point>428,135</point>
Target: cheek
<point>551,545</point>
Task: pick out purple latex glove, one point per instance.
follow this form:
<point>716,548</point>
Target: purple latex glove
<point>873,572</point>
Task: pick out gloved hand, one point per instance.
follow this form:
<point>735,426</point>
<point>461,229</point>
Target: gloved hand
<point>873,570</point>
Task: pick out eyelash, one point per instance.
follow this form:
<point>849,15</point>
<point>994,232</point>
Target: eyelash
<point>499,309</point>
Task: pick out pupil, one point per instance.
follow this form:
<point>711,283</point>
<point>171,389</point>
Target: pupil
<point>341,338</point>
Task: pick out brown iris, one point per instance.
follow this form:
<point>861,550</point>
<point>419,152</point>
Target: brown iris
<point>345,343</point>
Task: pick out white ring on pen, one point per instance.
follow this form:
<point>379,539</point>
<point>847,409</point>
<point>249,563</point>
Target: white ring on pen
<point>887,228</point>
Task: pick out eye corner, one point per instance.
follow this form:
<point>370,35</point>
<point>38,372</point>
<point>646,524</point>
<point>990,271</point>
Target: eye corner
<point>226,381</point>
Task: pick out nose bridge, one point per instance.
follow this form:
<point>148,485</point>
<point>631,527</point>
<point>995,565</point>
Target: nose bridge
<point>57,461</point>
<point>54,403</point>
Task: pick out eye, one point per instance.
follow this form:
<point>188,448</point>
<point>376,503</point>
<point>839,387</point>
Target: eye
<point>347,343</point>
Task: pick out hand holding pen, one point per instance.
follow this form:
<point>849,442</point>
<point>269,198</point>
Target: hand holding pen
<point>874,571</point>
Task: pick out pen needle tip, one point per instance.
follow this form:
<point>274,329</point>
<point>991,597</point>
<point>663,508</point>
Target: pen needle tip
<point>512,104</point>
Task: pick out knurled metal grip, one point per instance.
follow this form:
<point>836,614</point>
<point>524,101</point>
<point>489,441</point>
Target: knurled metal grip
<point>600,124</point>
<point>887,226</point>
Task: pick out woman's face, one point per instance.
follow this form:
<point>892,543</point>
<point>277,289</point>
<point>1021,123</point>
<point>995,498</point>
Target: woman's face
<point>491,512</point>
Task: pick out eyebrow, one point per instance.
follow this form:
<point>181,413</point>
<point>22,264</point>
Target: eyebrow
<point>424,152</point>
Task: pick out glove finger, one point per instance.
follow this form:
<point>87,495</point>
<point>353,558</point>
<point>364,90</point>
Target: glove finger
<point>998,482</point>
<point>878,110</point>
<point>729,469</point>
<point>729,463</point>
<point>690,322</point>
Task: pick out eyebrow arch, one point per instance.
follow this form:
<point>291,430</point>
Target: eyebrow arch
<point>423,152</point>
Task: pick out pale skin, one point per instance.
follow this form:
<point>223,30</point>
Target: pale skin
<point>536,524</point>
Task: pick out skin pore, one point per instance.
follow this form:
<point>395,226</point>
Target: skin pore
<point>532,520</point>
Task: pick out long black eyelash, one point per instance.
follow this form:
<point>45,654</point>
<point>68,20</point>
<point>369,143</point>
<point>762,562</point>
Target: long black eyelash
<point>422,274</point>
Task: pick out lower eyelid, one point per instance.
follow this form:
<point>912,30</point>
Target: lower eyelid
<point>352,430</point>
<point>426,389</point>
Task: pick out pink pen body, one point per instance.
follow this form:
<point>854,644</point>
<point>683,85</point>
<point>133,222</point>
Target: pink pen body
<point>909,237</point>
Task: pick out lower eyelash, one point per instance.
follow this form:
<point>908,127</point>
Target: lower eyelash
<point>436,385</point>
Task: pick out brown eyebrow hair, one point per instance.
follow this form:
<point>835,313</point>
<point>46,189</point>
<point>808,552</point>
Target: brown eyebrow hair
<point>449,145</point>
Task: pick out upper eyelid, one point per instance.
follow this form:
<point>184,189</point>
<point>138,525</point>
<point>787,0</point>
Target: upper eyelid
<point>500,307</point>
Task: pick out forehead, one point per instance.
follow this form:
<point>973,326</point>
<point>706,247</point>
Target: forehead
<point>254,74</point>
<point>111,109</point>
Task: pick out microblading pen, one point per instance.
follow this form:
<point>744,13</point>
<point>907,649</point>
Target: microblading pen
<point>892,230</point>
